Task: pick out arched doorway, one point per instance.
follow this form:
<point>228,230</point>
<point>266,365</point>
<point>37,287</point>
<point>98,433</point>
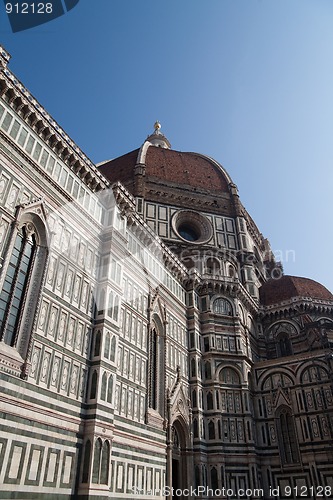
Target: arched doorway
<point>179,465</point>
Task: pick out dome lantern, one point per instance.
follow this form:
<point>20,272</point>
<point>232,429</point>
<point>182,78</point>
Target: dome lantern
<point>157,138</point>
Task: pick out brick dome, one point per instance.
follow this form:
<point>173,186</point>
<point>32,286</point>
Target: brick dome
<point>187,180</point>
<point>190,169</point>
<point>288,287</point>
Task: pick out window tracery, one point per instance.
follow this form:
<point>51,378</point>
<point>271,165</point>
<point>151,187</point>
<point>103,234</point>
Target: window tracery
<point>222,306</point>
<point>15,284</point>
<point>229,376</point>
<point>284,345</point>
<point>86,462</point>
<point>156,367</point>
<point>21,280</point>
<point>100,473</point>
<point>287,436</point>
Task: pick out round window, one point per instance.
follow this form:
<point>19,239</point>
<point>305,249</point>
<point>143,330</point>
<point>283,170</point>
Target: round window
<point>187,232</point>
<point>192,227</point>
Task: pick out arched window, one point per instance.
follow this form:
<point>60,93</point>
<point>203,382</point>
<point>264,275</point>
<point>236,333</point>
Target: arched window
<point>195,428</point>
<point>21,283</point>
<point>206,344</point>
<point>284,345</point>
<point>110,304</point>
<point>229,376</point>
<point>193,368</point>
<point>222,306</point>
<point>213,478</point>
<point>191,340</point>
<point>113,349</point>
<point>202,428</point>
<point>156,366</point>
<point>231,271</point>
<point>116,308</point>
<point>194,399</point>
<point>107,346</point>
<point>101,302</point>
<point>15,284</point>
<point>104,470</point>
<point>86,462</point>
<point>287,437</point>
<point>208,370</point>
<point>113,305</point>
<point>97,461</point>
<point>110,389</point>
<point>153,369</point>
<point>200,398</point>
<point>210,404</point>
<point>197,476</point>
<point>103,387</point>
<point>93,387</point>
<point>213,266</point>
<point>97,347</point>
<point>101,464</point>
<point>211,430</point>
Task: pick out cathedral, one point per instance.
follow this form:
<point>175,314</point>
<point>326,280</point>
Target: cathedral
<point>151,346</point>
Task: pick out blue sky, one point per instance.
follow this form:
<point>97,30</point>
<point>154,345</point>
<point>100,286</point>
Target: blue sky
<point>248,82</point>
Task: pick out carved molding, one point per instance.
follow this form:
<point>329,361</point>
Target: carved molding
<point>178,403</point>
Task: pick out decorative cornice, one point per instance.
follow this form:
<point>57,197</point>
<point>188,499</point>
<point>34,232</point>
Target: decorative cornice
<point>37,118</point>
<point>4,57</point>
<point>269,365</point>
<point>186,197</point>
<point>50,180</point>
<point>253,229</point>
<point>226,285</point>
<point>297,305</point>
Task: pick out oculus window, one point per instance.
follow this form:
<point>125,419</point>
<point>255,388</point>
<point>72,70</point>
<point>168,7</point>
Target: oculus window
<point>192,227</point>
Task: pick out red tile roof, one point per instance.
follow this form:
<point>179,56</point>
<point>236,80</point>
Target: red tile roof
<point>120,169</point>
<point>288,287</point>
<point>188,169</point>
